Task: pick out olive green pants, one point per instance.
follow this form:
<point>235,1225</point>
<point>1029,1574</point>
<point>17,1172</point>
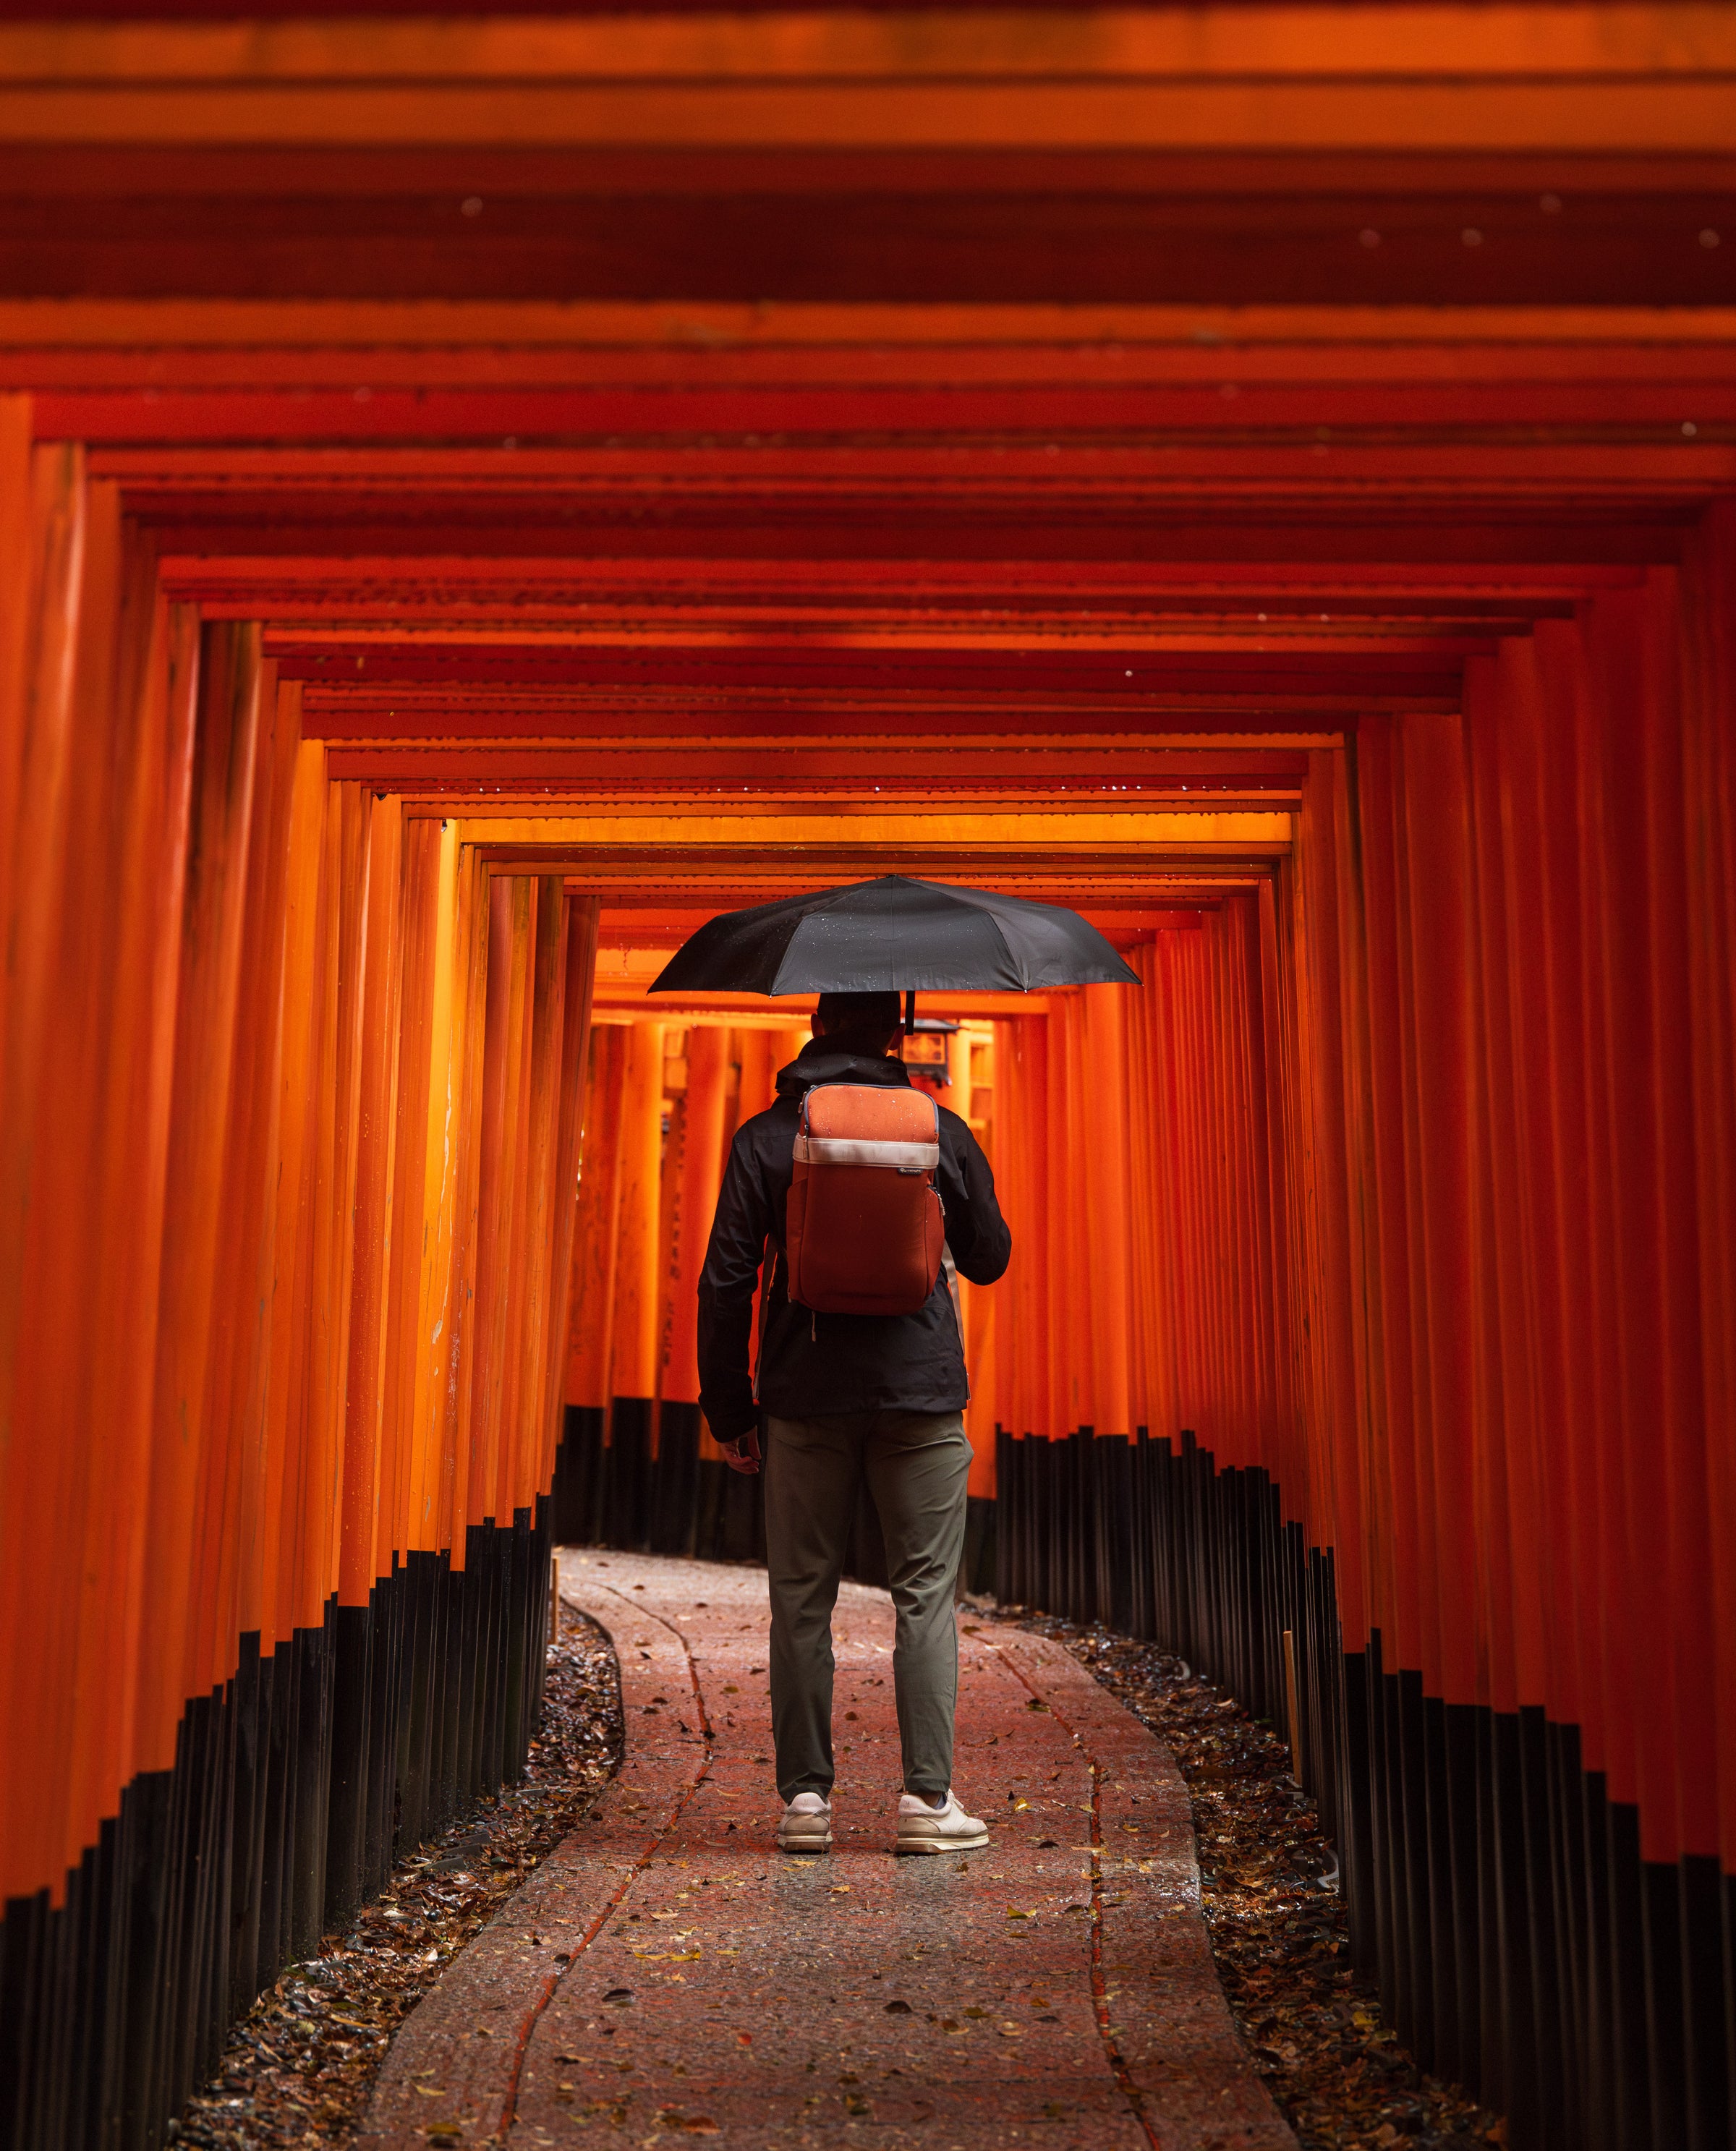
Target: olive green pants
<point>916,1466</point>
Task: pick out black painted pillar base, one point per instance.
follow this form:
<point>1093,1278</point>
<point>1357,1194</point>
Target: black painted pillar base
<point>1494,1890</point>
<point>294,1788</point>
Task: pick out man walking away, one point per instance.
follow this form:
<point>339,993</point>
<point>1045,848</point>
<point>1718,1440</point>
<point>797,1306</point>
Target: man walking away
<point>848,1397</point>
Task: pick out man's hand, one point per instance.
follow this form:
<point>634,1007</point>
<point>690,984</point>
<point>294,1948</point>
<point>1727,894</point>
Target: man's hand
<point>742,1454</point>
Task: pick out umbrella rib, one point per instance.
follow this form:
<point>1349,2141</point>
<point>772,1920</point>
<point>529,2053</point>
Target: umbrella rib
<point>885,936</point>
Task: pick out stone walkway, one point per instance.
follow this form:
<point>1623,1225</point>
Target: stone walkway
<point>667,1974</point>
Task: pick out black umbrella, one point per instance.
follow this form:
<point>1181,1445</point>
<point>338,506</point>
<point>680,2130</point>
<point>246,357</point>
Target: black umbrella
<point>894,935</point>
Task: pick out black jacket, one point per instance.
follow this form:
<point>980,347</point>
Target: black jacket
<point>810,1364</point>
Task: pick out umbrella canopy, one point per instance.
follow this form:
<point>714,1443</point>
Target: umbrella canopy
<point>894,935</point>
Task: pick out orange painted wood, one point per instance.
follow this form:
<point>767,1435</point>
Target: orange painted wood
<point>453,1415</point>
<point>1331,1177</point>
<point>705,1105</point>
<point>449,1047</point>
<point>581,915</point>
<point>48,513</point>
<point>241,1376</point>
<point>352,861</point>
<point>511,926</point>
<point>366,1537</point>
<point>1407,1171</point>
<point>54,1374</point>
<point>522,1473</point>
<point>404,1459</point>
<point>638,1296</point>
<point>151,740</point>
<point>756,1056</point>
<point>228,1526</point>
<point>596,1234</point>
<point>231,719</point>
<point>1709,829</point>
<point>296,1441</point>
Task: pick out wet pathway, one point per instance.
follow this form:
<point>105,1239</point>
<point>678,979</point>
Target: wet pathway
<point>667,1974</point>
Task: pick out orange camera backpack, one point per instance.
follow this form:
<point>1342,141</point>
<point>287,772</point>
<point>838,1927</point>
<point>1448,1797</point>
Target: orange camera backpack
<point>863,1227</point>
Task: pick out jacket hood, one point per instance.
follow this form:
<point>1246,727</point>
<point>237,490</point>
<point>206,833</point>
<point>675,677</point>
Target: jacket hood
<point>820,1062</point>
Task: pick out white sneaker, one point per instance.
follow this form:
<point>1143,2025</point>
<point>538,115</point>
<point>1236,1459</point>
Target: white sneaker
<point>805,1824</point>
<point>925,1828</point>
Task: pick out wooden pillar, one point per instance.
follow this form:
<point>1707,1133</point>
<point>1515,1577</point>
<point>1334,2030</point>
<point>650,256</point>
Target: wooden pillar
<point>367,1542</point>
<point>1100,1166</point>
<point>596,1236</point>
<point>422,875</point>
<point>707,1105</point>
<point>226,759</point>
<point>704,1154</point>
<point>546,1209</point>
<point>41,1493</point>
<point>974,1102</point>
<point>637,1299</point>
<point>240,1376</point>
<point>501,1281</point>
<point>150,727</point>
<point>580,958</point>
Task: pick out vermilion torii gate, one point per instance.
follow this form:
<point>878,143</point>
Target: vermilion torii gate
<point>480,490</point>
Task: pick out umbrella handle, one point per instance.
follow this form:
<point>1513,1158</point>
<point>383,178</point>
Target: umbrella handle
<point>910,1016</point>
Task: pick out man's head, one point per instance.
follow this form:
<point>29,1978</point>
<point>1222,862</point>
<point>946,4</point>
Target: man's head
<point>858,1023</point>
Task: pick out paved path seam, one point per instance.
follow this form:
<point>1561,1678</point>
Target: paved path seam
<point>1118,2066</point>
<point>509,2103</point>
<point>667,1974</point>
<point>1162,2008</point>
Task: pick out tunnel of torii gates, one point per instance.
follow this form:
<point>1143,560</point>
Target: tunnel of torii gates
<point>477,497</point>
